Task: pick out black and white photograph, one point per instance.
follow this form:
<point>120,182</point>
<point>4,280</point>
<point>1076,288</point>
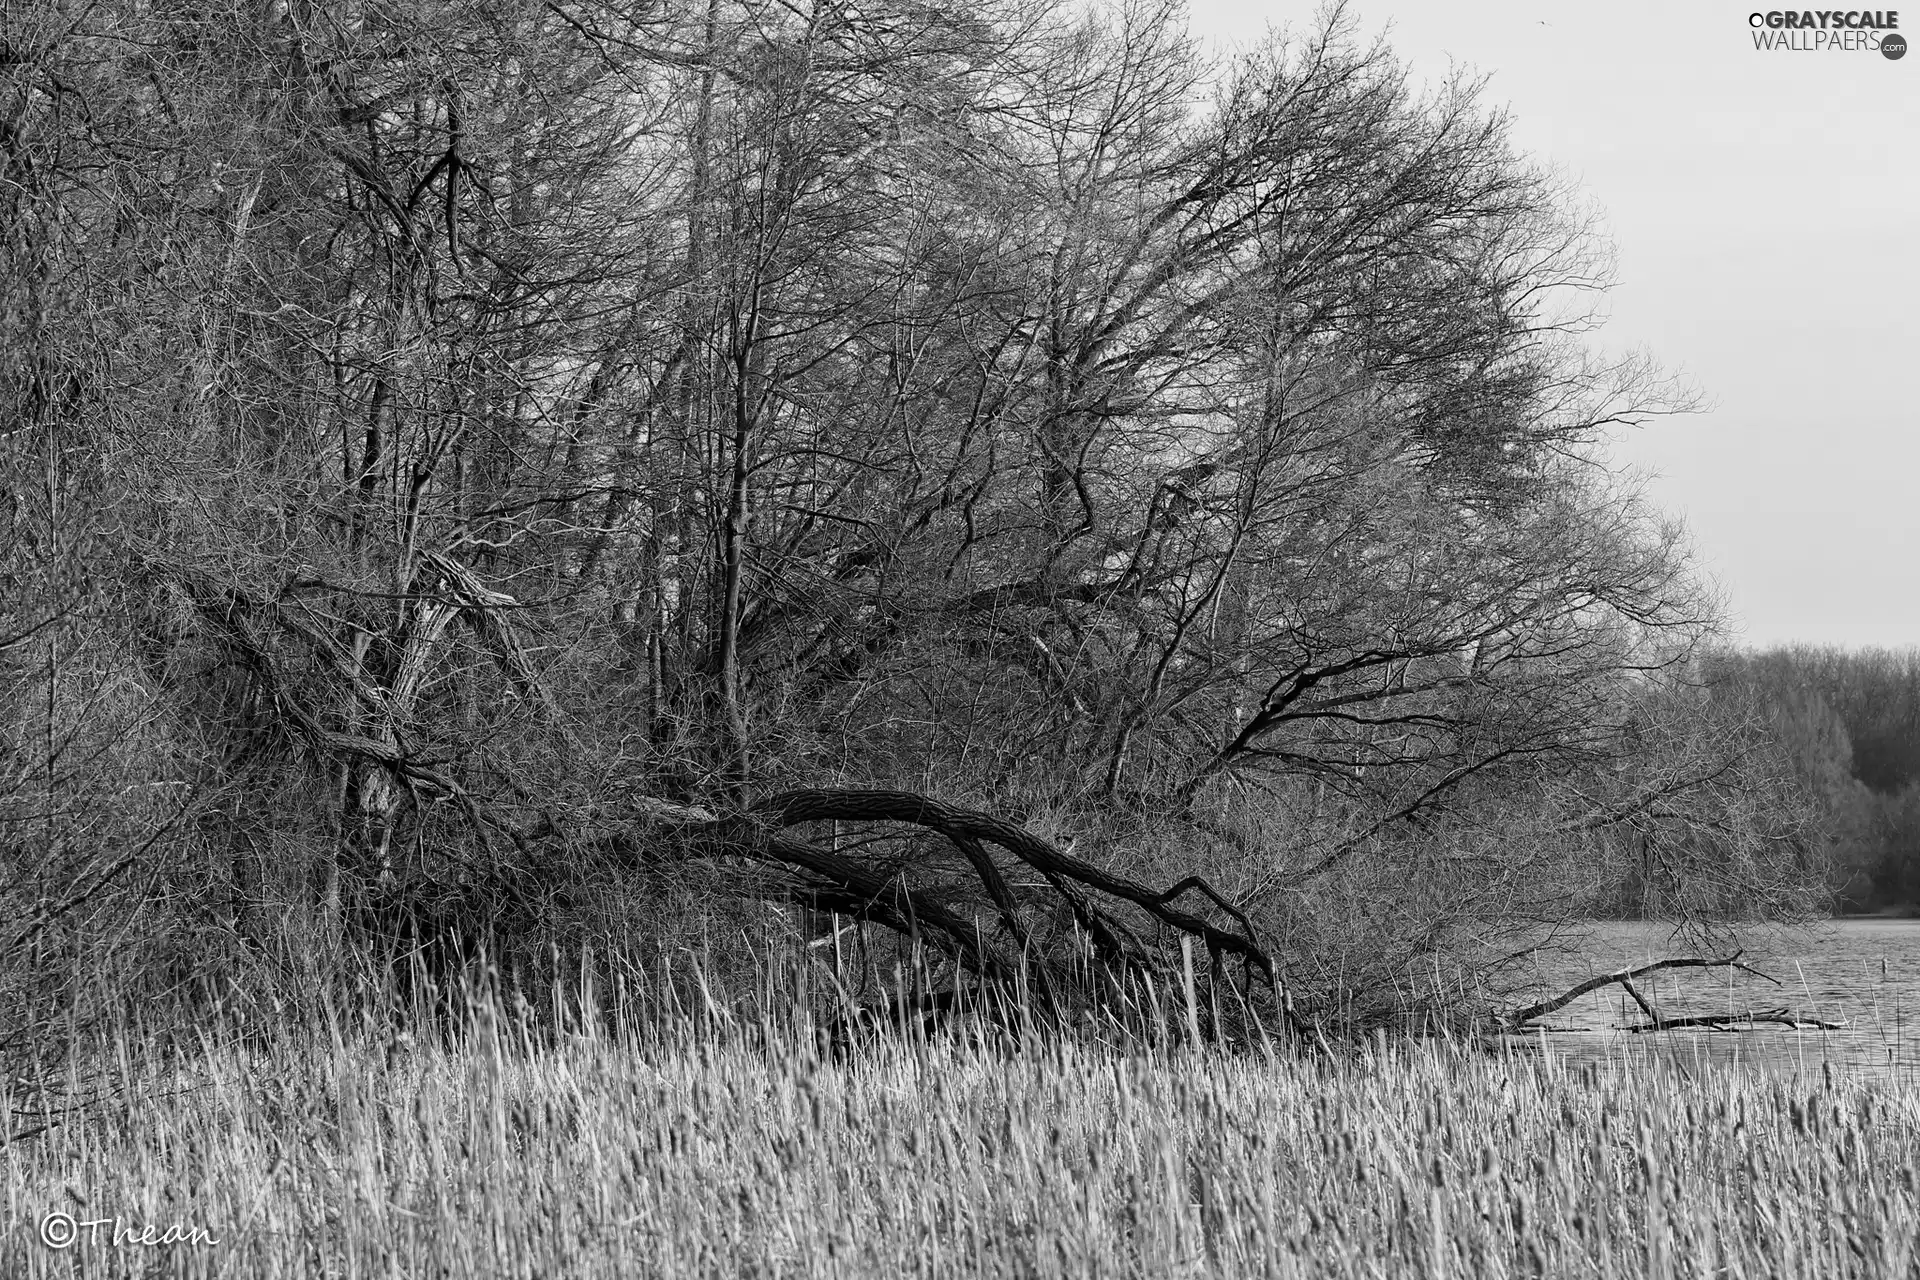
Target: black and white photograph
<point>939,638</point>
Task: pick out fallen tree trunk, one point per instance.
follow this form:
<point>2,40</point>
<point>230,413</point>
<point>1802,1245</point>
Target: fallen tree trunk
<point>999,900</point>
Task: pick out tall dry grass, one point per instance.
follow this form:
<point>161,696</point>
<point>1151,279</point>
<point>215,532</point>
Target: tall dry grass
<point>706,1144</point>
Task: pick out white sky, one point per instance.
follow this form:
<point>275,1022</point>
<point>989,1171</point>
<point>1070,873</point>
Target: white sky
<point>1764,206</point>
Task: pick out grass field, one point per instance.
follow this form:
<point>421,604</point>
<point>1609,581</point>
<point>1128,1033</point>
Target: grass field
<point>695,1151</point>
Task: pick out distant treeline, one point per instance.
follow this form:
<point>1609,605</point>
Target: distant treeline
<point>1850,724</point>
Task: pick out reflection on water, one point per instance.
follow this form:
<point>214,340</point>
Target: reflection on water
<point>1864,974</point>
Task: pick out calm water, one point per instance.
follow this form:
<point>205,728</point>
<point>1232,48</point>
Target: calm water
<point>1862,973</point>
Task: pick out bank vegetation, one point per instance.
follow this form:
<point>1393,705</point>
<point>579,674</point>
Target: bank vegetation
<point>989,486</point>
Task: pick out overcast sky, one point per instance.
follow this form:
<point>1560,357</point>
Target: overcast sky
<point>1764,206</point>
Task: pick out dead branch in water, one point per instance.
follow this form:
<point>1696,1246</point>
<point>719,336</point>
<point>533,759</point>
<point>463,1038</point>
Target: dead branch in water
<point>1732,1021</point>
<point>1625,977</point>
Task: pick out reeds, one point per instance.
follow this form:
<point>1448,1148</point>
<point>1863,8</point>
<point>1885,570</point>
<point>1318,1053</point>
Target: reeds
<point>718,1142</point>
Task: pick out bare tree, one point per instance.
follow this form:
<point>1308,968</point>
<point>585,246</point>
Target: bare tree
<point>557,439</point>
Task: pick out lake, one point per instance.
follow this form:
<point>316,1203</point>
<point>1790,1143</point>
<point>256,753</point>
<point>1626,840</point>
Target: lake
<point>1863,973</point>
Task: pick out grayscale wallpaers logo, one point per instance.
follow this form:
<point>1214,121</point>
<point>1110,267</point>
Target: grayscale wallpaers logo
<point>1829,31</point>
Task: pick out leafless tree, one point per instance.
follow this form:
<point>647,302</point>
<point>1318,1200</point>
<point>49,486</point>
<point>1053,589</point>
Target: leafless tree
<point>1124,498</point>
